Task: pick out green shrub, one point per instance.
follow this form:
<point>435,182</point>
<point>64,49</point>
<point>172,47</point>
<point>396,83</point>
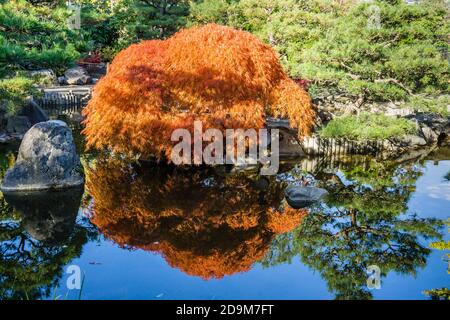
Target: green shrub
<point>36,37</point>
<point>210,11</point>
<point>33,37</point>
<point>13,91</point>
<point>396,59</point>
<point>367,127</point>
<point>439,104</point>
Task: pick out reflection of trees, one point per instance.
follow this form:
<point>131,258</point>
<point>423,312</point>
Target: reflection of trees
<point>205,223</point>
<point>38,237</point>
<point>361,224</point>
<point>441,293</point>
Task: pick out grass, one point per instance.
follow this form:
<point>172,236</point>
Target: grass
<point>437,104</point>
<point>367,127</point>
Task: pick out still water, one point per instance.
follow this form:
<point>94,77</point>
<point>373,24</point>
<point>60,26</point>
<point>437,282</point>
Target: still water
<point>146,232</point>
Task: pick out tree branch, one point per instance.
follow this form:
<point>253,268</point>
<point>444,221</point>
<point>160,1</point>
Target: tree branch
<point>396,82</point>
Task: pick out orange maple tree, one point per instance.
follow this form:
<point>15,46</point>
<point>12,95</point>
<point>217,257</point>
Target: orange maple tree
<point>206,223</point>
<point>226,78</point>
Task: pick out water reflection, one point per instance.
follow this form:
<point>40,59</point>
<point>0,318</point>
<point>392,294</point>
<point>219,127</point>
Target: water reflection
<point>212,222</point>
<point>362,223</point>
<point>38,237</point>
<point>205,222</point>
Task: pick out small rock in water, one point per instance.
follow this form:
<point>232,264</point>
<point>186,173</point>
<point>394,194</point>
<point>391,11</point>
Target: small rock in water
<point>47,159</point>
<point>301,197</point>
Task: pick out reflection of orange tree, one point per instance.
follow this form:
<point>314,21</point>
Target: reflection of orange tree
<point>204,223</point>
<point>224,77</point>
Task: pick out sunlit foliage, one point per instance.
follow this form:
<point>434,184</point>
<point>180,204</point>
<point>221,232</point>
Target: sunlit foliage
<point>223,77</point>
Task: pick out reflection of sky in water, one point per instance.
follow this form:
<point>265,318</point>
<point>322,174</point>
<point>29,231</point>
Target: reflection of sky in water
<point>431,199</point>
<point>115,273</point>
<point>112,272</point>
<point>432,195</point>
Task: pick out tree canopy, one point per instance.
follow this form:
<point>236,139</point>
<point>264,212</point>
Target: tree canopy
<point>226,78</point>
<point>379,50</point>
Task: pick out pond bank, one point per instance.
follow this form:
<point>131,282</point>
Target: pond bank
<point>430,130</point>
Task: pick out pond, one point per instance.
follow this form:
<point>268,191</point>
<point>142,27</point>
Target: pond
<point>147,232</point>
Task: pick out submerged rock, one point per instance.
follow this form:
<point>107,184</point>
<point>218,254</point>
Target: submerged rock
<point>47,159</point>
<point>301,197</point>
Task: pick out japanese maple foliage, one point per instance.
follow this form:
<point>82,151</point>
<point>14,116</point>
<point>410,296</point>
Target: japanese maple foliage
<point>224,77</point>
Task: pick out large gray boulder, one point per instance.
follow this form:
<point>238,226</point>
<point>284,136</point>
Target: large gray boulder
<point>301,197</point>
<point>47,159</point>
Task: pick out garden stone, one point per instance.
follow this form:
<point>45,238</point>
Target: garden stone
<point>412,140</point>
<point>62,80</point>
<point>301,197</point>
<point>77,76</point>
<point>47,159</point>
<point>429,135</point>
<point>45,75</point>
<point>33,112</point>
<point>439,124</point>
<point>18,124</point>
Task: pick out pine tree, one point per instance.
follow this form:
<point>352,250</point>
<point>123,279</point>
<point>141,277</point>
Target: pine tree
<point>384,50</point>
<point>33,37</point>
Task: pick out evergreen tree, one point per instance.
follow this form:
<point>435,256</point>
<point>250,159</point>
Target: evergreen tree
<point>136,20</point>
<point>383,50</point>
<point>380,50</point>
<point>33,37</point>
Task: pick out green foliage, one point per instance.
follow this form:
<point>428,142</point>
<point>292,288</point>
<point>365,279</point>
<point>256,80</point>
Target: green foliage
<point>429,104</point>
<point>130,21</point>
<point>15,88</point>
<point>96,23</point>
<point>210,11</point>
<point>33,37</point>
<point>443,245</point>
<point>13,92</point>
<point>395,59</point>
<point>438,294</point>
<point>367,127</point>
<point>341,45</point>
<point>288,25</point>
<point>36,37</point>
